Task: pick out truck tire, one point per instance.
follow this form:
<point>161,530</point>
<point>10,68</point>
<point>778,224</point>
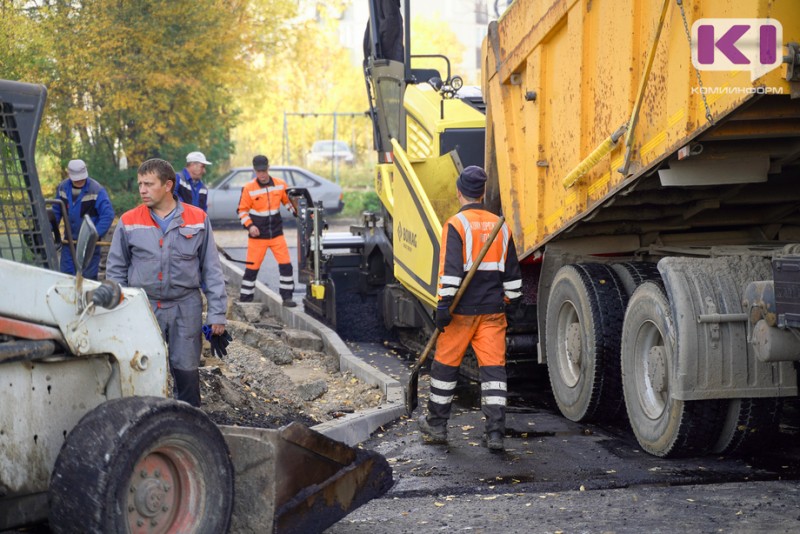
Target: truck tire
<point>632,274</point>
<point>583,323</point>
<point>748,424</point>
<point>142,463</point>
<point>663,426</point>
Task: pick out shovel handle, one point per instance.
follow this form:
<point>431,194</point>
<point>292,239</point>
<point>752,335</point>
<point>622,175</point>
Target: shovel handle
<point>229,258</point>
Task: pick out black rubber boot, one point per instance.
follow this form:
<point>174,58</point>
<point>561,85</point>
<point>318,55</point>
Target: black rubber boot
<point>435,435</point>
<point>187,386</point>
<point>493,441</point>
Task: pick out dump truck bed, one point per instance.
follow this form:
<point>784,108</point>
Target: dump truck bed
<point>561,76</point>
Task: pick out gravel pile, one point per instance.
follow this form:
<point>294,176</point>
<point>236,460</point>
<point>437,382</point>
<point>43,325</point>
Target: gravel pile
<point>272,376</point>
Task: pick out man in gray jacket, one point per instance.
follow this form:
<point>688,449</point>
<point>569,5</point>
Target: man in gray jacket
<point>166,247</point>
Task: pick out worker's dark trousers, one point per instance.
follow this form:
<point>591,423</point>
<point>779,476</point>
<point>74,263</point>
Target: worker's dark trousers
<point>286,280</point>
<point>493,395</point>
<point>487,335</point>
<point>248,285</point>
<point>187,386</point>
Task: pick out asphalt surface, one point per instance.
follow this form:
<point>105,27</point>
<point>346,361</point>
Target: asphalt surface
<point>559,476</point>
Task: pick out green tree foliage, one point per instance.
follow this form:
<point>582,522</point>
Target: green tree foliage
<point>136,79</point>
<point>141,78</point>
<point>311,72</point>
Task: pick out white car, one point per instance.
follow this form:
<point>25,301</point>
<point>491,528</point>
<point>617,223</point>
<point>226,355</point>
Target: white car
<point>328,150</point>
<point>224,194</point>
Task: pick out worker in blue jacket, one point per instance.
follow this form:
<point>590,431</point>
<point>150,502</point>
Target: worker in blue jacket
<point>189,186</point>
<point>82,196</point>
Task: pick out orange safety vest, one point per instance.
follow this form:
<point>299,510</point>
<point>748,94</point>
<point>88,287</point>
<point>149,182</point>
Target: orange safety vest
<point>260,205</point>
<point>498,277</point>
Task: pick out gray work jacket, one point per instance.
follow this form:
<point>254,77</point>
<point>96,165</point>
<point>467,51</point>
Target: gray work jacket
<point>172,265</point>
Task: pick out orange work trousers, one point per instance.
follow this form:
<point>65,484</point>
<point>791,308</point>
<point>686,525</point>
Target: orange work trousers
<point>257,251</point>
<point>487,333</point>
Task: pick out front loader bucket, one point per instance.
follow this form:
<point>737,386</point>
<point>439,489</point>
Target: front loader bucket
<point>296,480</point>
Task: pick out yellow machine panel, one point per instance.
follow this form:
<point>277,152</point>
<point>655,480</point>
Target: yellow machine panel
<point>560,77</point>
<point>421,207</point>
<point>418,189</point>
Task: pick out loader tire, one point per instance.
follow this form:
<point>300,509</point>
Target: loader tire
<point>664,426</point>
<point>142,464</point>
<point>583,323</point>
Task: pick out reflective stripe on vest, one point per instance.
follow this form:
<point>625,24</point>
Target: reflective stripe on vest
<point>470,253</point>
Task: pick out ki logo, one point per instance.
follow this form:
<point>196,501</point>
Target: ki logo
<point>737,44</point>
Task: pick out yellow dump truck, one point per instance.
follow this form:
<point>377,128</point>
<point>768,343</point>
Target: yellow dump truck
<point>646,154</point>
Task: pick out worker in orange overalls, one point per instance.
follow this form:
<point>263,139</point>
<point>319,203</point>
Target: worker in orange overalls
<point>260,213</point>
<point>480,318</point>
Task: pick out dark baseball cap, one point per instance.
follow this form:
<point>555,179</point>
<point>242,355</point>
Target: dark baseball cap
<point>260,163</point>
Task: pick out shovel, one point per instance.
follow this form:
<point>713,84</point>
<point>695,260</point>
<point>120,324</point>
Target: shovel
<point>412,393</point>
<point>229,258</point>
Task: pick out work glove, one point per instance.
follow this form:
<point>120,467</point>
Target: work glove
<point>443,317</point>
<point>219,343</point>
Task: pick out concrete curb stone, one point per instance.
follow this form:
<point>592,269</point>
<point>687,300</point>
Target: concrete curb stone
<point>352,428</point>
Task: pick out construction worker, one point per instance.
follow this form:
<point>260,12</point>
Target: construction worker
<point>260,214</point>
<point>189,184</point>
<point>479,318</point>
<point>166,247</point>
<point>82,196</point>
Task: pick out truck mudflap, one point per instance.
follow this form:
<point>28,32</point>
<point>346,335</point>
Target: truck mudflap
<point>298,480</point>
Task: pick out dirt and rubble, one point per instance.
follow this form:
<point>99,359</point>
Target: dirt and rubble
<point>273,375</point>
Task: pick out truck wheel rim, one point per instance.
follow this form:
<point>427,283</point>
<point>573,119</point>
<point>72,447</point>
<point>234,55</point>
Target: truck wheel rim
<point>569,344</point>
<point>165,492</point>
<point>650,370</point>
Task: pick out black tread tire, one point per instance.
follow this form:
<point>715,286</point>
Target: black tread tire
<point>664,426</point>
<point>89,487</point>
<point>592,294</point>
<point>632,274</point>
<point>749,423</point>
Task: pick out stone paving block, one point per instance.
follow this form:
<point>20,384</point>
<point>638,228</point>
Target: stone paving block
<point>263,340</point>
<point>249,311</point>
<point>278,353</point>
<point>312,390</point>
<point>300,339</point>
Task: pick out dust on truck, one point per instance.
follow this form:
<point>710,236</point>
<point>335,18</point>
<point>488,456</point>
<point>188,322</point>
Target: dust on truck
<point>654,204</point>
<point>88,438</point>
<point>657,204</point>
